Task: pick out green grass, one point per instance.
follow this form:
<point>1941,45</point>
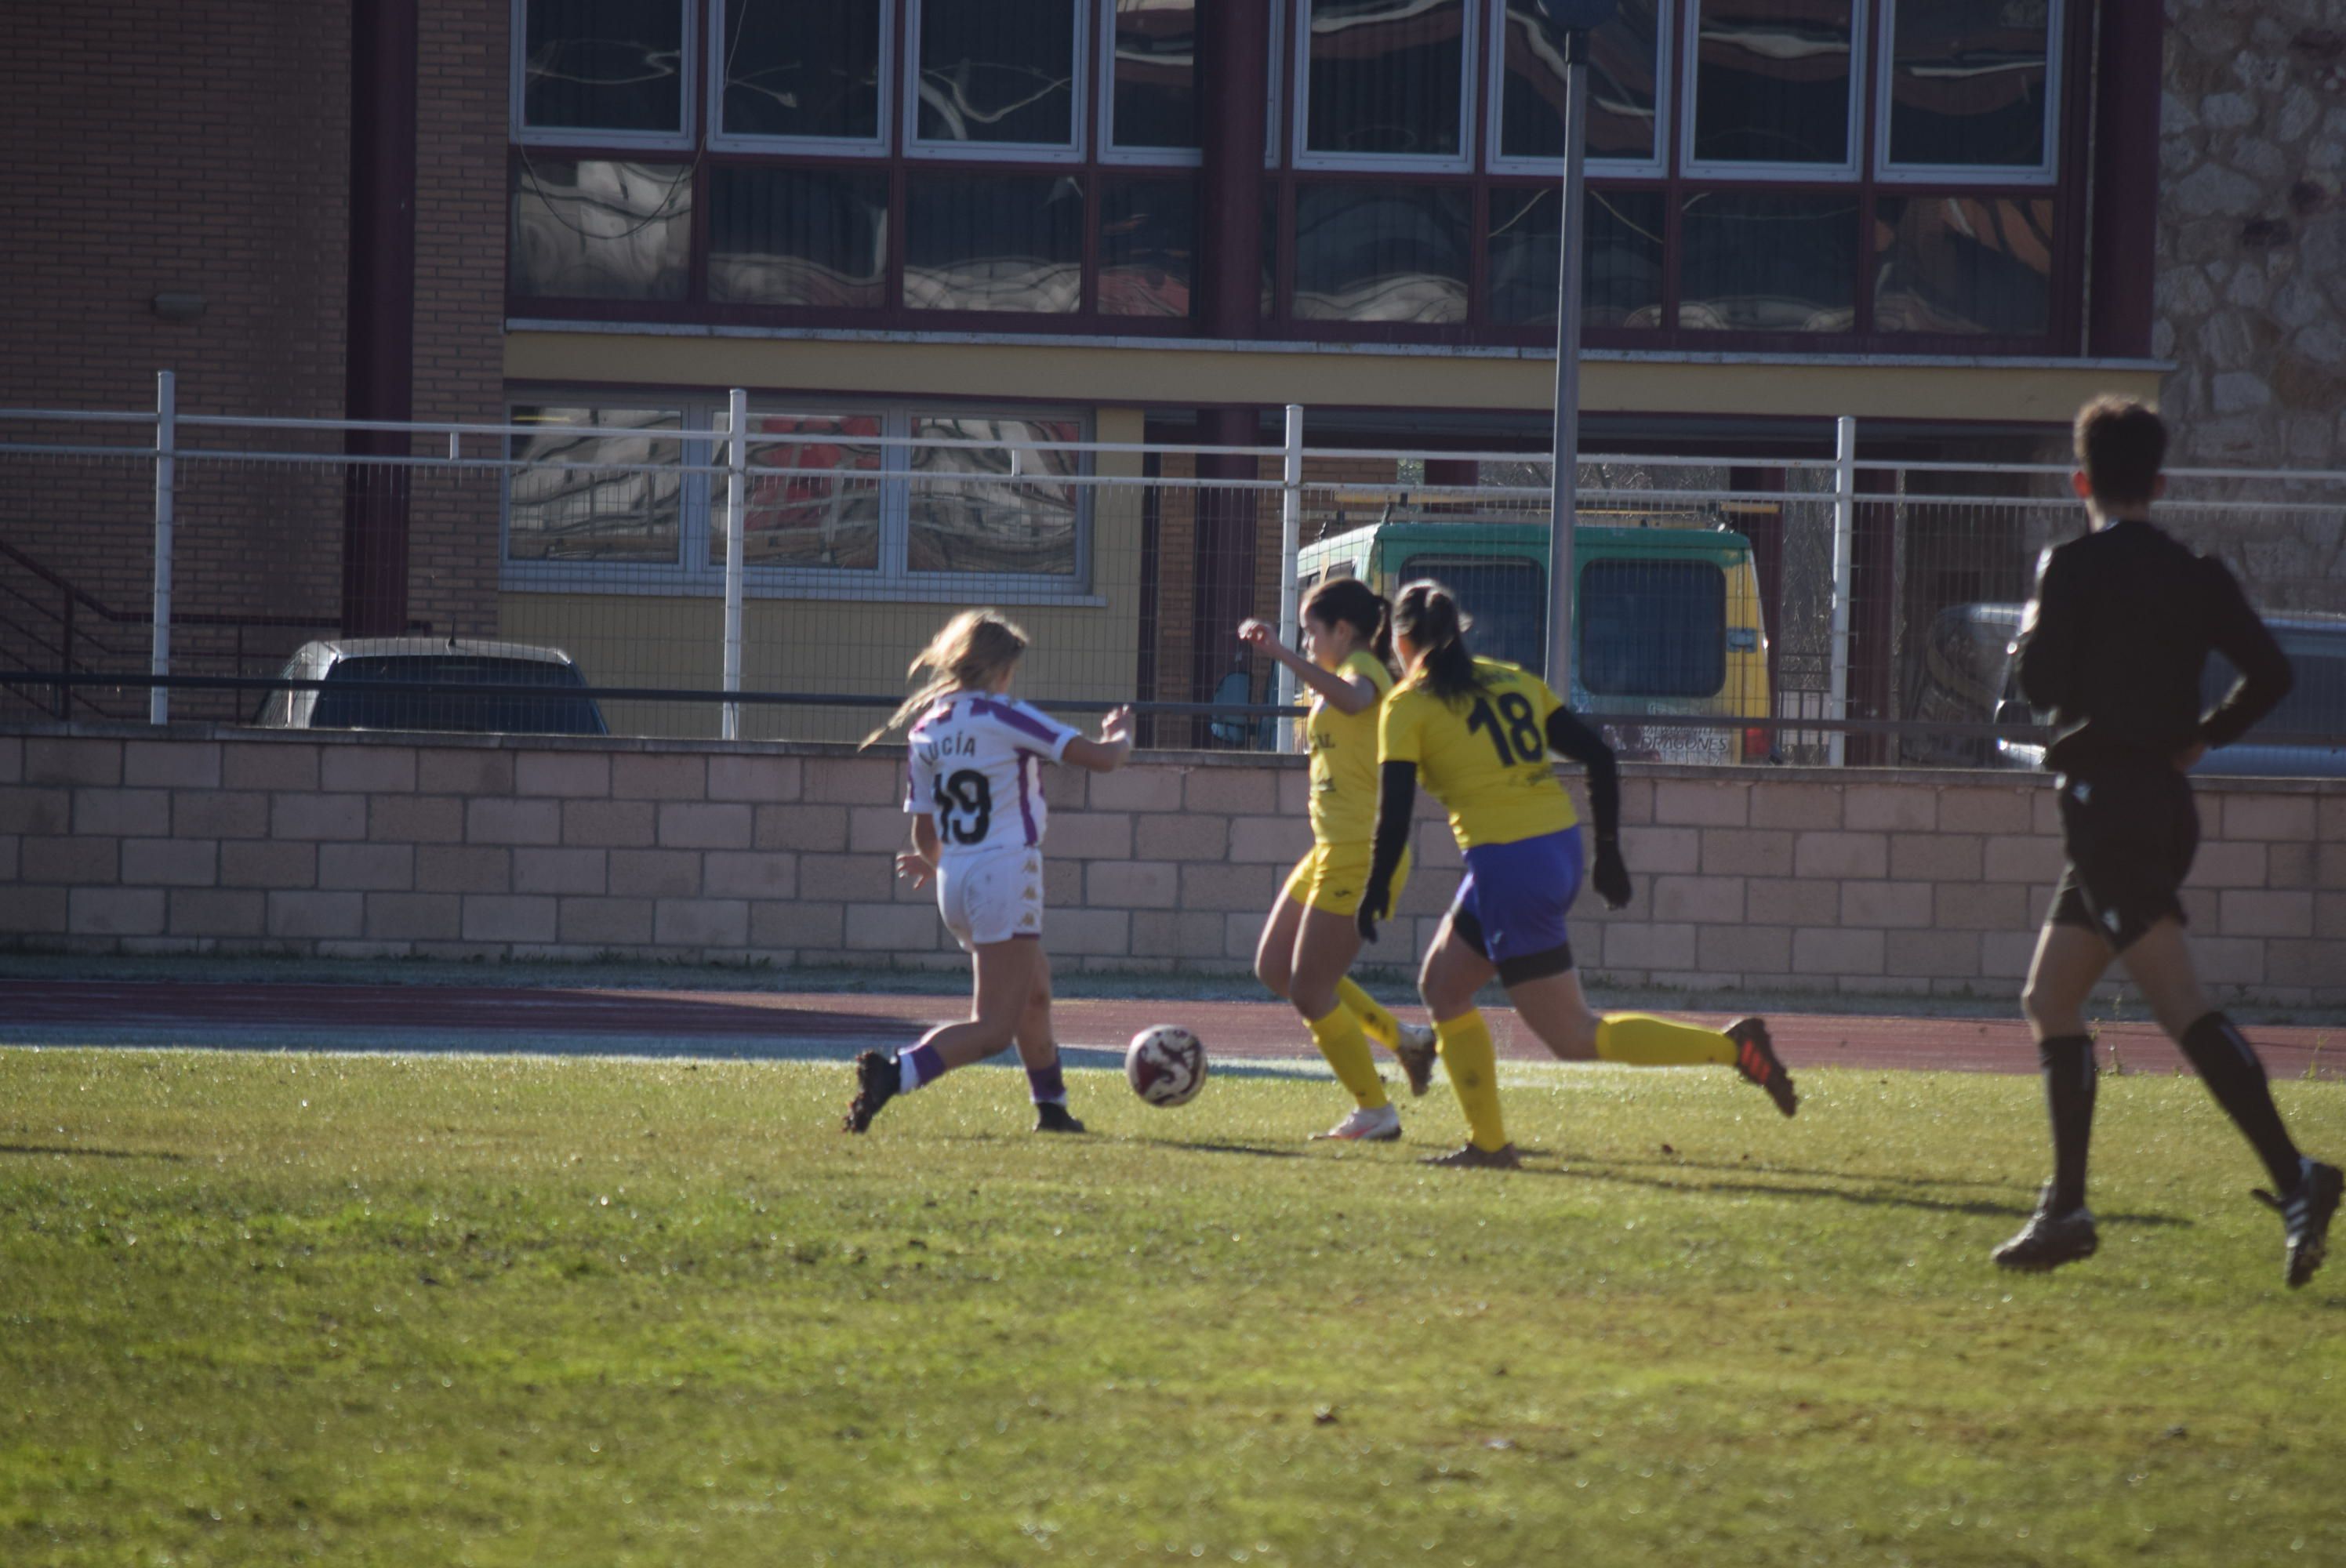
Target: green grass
<point>260,1308</point>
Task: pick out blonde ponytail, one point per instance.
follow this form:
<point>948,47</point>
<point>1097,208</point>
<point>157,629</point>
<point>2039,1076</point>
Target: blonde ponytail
<point>969,654</point>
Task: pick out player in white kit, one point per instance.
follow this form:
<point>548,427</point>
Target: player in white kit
<point>973,788</point>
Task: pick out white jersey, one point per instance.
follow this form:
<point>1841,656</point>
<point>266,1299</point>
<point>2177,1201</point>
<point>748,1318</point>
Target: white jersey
<point>975,762</point>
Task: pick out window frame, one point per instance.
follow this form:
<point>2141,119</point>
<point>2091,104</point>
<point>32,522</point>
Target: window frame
<point>1665,103</point>
<point>1074,150</point>
<point>2044,173</point>
<point>701,495</point>
<point>1111,153</point>
<point>719,139</point>
<point>1300,160</point>
<point>1849,172</point>
<point>684,138</point>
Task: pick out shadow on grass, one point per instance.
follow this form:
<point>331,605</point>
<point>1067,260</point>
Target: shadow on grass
<point>1981,1208</point>
<point>89,1154</point>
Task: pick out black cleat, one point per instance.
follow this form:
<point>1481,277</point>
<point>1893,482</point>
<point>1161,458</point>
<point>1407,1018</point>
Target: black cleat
<point>2305,1216</point>
<point>1755,1059</point>
<point>2049,1240</point>
<point>876,1079</point>
<point>1475,1158</point>
<point>1051,1117</point>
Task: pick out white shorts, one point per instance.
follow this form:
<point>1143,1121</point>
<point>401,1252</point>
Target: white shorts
<point>991,897</point>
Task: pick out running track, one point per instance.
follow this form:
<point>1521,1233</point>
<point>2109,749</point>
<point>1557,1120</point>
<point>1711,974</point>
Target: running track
<point>781,1024</point>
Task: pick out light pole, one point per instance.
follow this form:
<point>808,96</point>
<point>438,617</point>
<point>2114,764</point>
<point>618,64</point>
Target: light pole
<point>1577,18</point>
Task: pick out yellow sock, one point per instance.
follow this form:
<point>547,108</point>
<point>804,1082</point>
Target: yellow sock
<point>1465,1046</point>
<point>1381,1026</point>
<point>1339,1039</point>
<point>1645,1041</point>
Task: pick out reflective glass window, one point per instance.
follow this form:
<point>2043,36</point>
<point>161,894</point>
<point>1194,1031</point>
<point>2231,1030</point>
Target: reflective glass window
<point>1155,74</point>
<point>786,236</point>
<point>1621,83</point>
<point>1622,259</point>
<point>806,504</point>
<point>801,67</point>
<point>1773,81</point>
<point>1652,628</point>
<point>600,230</point>
<point>603,65</point>
<point>1147,247</point>
<point>1963,264</point>
<point>1968,81</point>
<point>1378,252</point>
<point>993,242</point>
<point>1385,76</point>
<point>1001,508</point>
<point>587,496</point>
<point>1769,262</point>
<point>997,71</point>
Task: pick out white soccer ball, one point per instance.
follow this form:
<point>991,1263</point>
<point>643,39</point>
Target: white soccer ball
<point>1166,1065</point>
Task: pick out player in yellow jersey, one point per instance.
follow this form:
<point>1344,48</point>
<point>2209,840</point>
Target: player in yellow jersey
<point>1479,732</point>
<point>1310,937</point>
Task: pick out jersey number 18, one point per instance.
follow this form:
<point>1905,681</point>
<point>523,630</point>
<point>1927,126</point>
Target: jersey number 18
<point>1518,739</point>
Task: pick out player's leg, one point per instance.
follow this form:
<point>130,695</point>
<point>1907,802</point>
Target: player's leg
<point>1412,1043</point>
<point>1038,1052</point>
<point>2071,956</point>
<point>1274,950</point>
<point>1326,942</point>
<point>1456,968</point>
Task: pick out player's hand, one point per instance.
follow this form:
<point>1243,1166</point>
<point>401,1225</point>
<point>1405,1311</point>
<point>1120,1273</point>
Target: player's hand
<point>2188,757</point>
<point>1610,878</point>
<point>910,864</point>
<point>1258,634</point>
<point>1375,904</point>
<point>1116,730</point>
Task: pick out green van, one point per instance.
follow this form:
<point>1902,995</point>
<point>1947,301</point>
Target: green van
<point>1667,606</point>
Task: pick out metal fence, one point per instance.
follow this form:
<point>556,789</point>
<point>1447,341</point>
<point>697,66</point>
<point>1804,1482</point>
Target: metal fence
<point>603,568</point>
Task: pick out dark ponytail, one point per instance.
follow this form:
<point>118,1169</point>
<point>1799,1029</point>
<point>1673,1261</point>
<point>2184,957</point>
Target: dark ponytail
<point>1354,604</point>
<point>1427,615</point>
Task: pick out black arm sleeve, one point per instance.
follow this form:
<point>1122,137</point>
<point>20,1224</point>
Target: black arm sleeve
<point>2265,673</point>
<point>1396,801</point>
<point>2048,639</point>
<point>1567,737</point>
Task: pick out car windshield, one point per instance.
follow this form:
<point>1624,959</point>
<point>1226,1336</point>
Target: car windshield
<point>438,700</point>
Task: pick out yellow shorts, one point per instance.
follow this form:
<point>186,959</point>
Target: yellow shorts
<point>1332,876</point>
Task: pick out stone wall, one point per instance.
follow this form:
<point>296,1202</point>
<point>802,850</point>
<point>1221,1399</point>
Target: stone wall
<point>195,839</point>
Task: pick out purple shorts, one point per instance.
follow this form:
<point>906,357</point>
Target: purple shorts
<point>1512,904</point>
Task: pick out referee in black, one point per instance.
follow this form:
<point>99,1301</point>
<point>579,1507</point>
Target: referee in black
<point>2113,647</point>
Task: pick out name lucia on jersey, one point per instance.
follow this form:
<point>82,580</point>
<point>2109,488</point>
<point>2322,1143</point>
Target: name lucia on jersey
<point>974,763</point>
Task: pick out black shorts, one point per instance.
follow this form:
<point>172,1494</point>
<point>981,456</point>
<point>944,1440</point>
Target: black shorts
<point>2129,835</point>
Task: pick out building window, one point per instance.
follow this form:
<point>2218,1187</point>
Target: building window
<point>996,78</point>
<point>613,73</point>
<point>1625,101</point>
<point>993,242</point>
<point>1147,247</point>
<point>1384,82</point>
<point>799,74</point>
<point>1963,265</point>
<point>1377,251</point>
<point>1769,262</point>
<point>597,228</point>
<point>783,235</point>
<point>1969,86</point>
<point>1150,81</point>
<point>1622,276</point>
<point>880,501</point>
<point>1772,88</point>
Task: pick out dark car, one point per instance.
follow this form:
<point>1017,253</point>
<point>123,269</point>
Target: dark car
<point>432,674</point>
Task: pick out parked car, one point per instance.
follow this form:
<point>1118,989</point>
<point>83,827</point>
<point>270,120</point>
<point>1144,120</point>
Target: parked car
<point>432,674</point>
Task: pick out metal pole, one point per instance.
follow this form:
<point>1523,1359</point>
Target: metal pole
<point>167,441</point>
<point>1563,501</point>
<point>1844,536</point>
<point>737,465</point>
<point>1291,543</point>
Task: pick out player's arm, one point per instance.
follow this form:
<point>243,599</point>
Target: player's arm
<point>1398,748</point>
<point>1347,694</point>
<point>1107,754</point>
<point>1568,737</point>
<point>2242,638</point>
<point>920,861</point>
<point>2050,637</point>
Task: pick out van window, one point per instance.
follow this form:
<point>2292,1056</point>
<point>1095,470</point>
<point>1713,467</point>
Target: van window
<point>1653,628</point>
<point>439,701</point>
<point>1507,597</point>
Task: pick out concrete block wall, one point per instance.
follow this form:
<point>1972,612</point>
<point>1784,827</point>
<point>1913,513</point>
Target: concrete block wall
<point>196,838</point>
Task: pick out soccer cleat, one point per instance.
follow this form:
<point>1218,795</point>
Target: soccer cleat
<point>1051,1117</point>
<point>1382,1126</point>
<point>2305,1216</point>
<point>1755,1059</point>
<point>1417,1051</point>
<point>1474,1157</point>
<point>2049,1240</point>
<point>877,1080</point>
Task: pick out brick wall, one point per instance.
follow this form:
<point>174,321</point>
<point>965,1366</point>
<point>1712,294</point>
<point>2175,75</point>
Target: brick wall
<point>1875,884</point>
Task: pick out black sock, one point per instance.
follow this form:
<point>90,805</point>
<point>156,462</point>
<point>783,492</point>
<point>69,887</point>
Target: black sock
<point>2228,1064</point>
<point>2068,1063</point>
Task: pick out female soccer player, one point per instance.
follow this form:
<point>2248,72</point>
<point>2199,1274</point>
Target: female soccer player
<point>1309,939</point>
<point>973,790</point>
<point>1481,731</point>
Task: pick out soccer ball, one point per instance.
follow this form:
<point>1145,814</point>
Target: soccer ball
<point>1166,1065</point>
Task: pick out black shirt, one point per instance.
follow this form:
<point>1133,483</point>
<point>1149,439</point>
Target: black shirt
<point>2115,642</point>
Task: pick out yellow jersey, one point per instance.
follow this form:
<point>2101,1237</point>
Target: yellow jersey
<point>1344,758</point>
<point>1482,755</point>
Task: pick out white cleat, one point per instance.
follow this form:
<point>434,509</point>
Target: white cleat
<point>1382,1126</point>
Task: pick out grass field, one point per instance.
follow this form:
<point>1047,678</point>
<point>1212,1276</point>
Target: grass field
<point>370,1311</point>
